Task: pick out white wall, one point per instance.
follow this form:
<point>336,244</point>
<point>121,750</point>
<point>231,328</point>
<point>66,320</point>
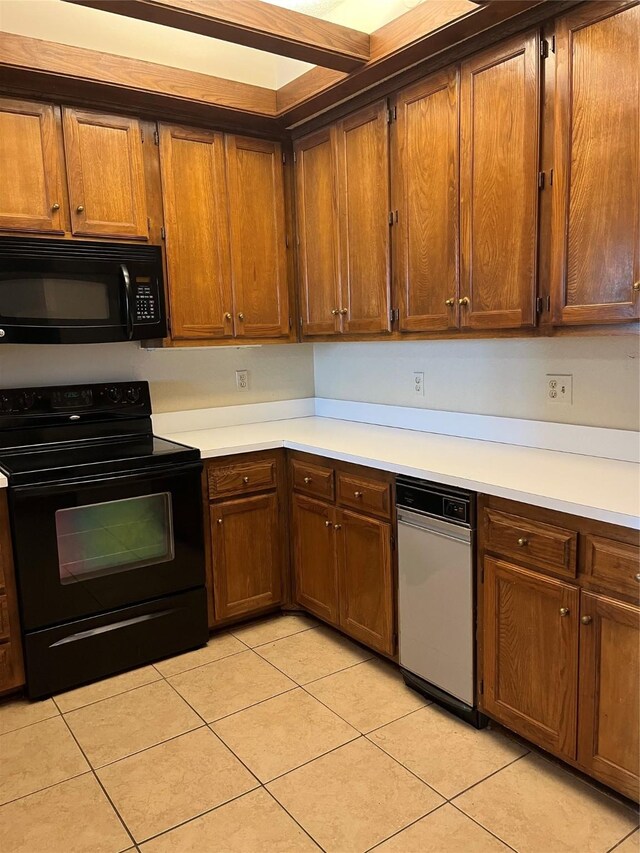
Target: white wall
<point>179,379</point>
<point>494,377</point>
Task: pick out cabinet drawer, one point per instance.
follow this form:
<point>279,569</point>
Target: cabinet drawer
<point>543,545</point>
<point>242,477</point>
<point>4,618</point>
<point>313,479</point>
<point>370,496</point>
<point>612,564</point>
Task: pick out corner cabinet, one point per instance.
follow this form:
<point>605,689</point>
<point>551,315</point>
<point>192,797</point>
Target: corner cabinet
<point>596,193</point>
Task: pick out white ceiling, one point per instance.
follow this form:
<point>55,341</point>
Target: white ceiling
<point>54,20</point>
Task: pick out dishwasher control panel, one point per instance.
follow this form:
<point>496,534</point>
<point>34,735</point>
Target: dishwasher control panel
<point>438,501</point>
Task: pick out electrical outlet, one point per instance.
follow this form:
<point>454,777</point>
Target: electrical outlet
<point>242,380</point>
<point>560,388</point>
<point>418,383</point>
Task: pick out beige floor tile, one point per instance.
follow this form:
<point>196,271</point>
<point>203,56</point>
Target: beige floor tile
<point>537,807</point>
<point>629,845</point>
<point>38,756</point>
<point>444,831</point>
<point>229,685</point>
<point>125,724</point>
<point>174,782</point>
<point>282,733</point>
<point>368,695</point>
<point>72,817</point>
<point>18,713</point>
<point>106,687</point>
<point>312,654</point>
<point>275,628</point>
<point>447,753</point>
<point>353,797</point>
<point>254,823</point>
<point>219,646</point>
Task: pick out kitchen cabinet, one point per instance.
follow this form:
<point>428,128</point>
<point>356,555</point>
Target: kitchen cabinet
<point>596,193</point>
<point>32,198</point>
<point>11,658</point>
<point>194,192</point>
<point>424,170</point>
<point>105,174</point>
<point>258,239</point>
<point>314,556</point>
<point>499,151</point>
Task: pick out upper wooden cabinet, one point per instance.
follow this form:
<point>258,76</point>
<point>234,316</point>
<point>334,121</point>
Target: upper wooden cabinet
<point>194,193</point>
<point>596,193</point>
<point>425,192</point>
<point>499,155</point>
<point>258,239</point>
<point>105,174</point>
<point>364,206</point>
<point>31,192</point>
<point>318,238</point>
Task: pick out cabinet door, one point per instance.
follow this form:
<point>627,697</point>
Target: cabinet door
<point>425,183</point>
<point>363,167</point>
<point>258,250</point>
<point>596,193</point>
<point>194,195</point>
<point>499,126</point>
<point>105,174</point>
<point>366,580</point>
<point>608,744</point>
<point>247,555</point>
<point>318,247</point>
<point>31,194</point>
<point>531,654</point>
<point>314,557</point>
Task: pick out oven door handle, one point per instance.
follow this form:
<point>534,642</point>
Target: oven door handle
<point>128,301</point>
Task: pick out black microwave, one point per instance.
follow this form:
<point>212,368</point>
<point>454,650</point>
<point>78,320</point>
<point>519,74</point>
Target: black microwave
<point>77,292</point>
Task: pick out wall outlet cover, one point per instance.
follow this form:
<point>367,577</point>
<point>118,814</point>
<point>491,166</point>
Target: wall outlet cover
<point>559,388</point>
<point>418,383</point>
<point>242,380</point>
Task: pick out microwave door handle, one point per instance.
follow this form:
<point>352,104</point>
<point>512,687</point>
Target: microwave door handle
<point>127,299</point>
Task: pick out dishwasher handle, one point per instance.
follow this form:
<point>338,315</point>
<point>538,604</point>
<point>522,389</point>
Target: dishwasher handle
<point>435,526</point>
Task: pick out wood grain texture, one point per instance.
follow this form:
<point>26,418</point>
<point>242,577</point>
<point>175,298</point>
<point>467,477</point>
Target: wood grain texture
<point>424,176</point>
<point>363,494</point>
<point>11,659</point>
<point>530,655</point>
<point>500,105</point>
<point>612,565</point>
<point>252,23</point>
<point>311,479</point>
<point>366,579</point>
<point>30,155</point>
<point>105,174</point>
<point>194,190</point>
<point>242,477</point>
<point>364,205</point>
<point>314,557</point>
<point>609,723</point>
<point>547,547</point>
<point>247,554</point>
<point>258,238</point>
<point>596,211</point>
<point>318,232</point>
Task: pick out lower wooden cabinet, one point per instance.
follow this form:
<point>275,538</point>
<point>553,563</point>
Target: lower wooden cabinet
<point>609,722</point>
<point>11,661</point>
<point>314,554</point>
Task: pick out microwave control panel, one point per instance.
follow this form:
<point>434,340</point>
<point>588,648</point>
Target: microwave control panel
<point>147,309</point>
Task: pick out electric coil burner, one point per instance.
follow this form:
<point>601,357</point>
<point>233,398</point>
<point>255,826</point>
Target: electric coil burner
<point>107,532</point>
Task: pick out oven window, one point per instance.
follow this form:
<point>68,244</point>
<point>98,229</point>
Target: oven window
<point>116,536</point>
<point>54,297</point>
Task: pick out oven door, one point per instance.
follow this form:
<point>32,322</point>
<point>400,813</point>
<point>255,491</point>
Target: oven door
<point>87,547</point>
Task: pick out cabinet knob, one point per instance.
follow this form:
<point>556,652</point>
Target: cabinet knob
<point>586,620</point>
<point>335,311</point>
<point>522,542</point>
<point>327,524</point>
<point>245,479</point>
<point>79,208</point>
<point>636,286</point>
<point>357,494</point>
<point>228,317</point>
<point>343,311</point>
<point>241,316</point>
<point>463,301</point>
<point>219,521</point>
<point>638,577</point>
<point>307,480</point>
<point>449,302</point>
<point>337,527</point>
<point>55,206</point>
<point>564,611</point>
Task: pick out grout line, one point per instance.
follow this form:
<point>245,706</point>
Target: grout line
<point>402,829</point>
<point>104,698</point>
<point>628,835</point>
<point>396,719</point>
<point>151,746</point>
<point>202,665</point>
<point>482,826</point>
<point>484,779</point>
<point>311,760</point>
<point>47,787</point>
<point>286,637</point>
<point>286,811</point>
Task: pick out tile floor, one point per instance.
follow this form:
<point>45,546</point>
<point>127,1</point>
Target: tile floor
<point>281,736</point>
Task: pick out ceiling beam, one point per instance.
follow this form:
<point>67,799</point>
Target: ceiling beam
<point>254,24</point>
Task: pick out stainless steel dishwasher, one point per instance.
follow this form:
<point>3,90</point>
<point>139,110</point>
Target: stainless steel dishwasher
<point>436,595</point>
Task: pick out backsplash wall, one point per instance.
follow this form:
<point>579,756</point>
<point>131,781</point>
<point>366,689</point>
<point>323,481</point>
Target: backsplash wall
<point>492,377</point>
<point>179,378</point>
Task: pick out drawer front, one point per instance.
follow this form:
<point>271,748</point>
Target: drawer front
<point>316,480</point>
<point>369,496</point>
<point>4,618</point>
<point>242,477</point>
<point>543,545</point>
<point>612,564</point>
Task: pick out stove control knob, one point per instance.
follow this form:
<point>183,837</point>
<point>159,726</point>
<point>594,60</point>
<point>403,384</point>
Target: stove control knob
<point>114,394</point>
<point>5,403</point>
<point>27,400</point>
<point>133,394</point>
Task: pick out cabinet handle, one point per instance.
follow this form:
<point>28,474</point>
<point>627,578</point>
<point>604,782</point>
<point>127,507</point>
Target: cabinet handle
<point>638,577</point>
<point>337,527</point>
<point>219,521</point>
<point>636,286</point>
<point>241,316</point>
<point>449,302</point>
<point>357,494</point>
<point>564,611</point>
<point>335,311</point>
<point>307,480</point>
<point>463,301</point>
<point>79,208</point>
<point>522,542</point>
<point>228,317</point>
<point>245,479</point>
<point>327,524</point>
<point>586,620</point>
<point>55,206</point>
<point>343,311</point>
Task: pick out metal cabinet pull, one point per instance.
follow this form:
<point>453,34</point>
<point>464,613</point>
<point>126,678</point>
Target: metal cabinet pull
<point>327,524</point>
<point>586,620</point>
<point>240,316</point>
<point>335,311</point>
<point>337,527</point>
<point>55,206</point>
<point>638,577</point>
<point>522,542</point>
<point>228,316</point>
<point>307,480</point>
<point>79,208</point>
<point>449,302</point>
<point>463,301</point>
<point>245,479</point>
<point>357,494</point>
<point>564,611</point>
<point>636,286</point>
<point>342,311</point>
<point>219,521</point>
